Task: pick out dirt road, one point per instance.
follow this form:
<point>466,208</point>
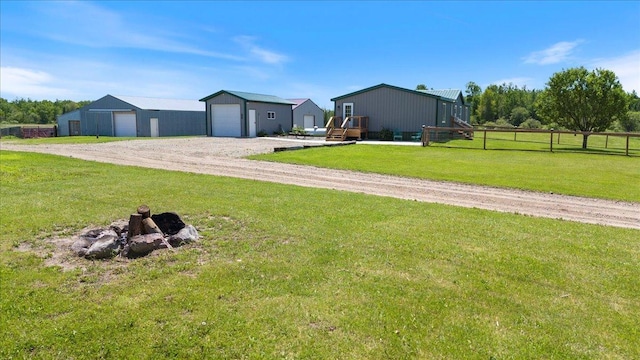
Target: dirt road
<point>223,156</point>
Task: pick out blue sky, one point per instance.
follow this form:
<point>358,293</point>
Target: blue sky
<point>299,49</point>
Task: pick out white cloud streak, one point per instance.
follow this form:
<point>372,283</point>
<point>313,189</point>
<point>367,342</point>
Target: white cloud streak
<point>626,67</point>
<point>89,25</point>
<point>263,55</point>
<point>29,83</point>
<point>556,53</point>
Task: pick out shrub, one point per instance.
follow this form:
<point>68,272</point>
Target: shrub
<point>531,124</point>
<point>262,133</point>
<point>503,123</point>
<point>386,134</point>
<point>298,130</point>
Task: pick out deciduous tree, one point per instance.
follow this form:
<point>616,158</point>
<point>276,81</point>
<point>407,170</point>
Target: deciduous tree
<point>583,100</point>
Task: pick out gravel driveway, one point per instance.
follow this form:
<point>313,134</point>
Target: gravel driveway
<point>224,156</point>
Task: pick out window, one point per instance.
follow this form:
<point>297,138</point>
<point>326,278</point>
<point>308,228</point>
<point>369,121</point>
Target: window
<point>271,115</point>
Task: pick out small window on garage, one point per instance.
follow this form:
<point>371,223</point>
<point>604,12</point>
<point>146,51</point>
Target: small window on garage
<point>271,115</point>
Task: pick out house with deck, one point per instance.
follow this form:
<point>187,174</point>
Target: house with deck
<point>365,113</point>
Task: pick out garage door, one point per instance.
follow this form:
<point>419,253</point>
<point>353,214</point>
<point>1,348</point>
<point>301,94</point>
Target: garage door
<point>125,124</point>
<point>308,121</point>
<point>226,120</point>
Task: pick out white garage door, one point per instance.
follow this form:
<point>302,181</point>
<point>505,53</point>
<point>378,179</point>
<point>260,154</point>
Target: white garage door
<point>125,124</point>
<point>226,120</point>
<point>308,121</point>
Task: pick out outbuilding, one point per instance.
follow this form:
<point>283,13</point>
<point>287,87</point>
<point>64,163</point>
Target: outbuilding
<point>307,114</point>
<point>243,114</point>
<point>135,117</point>
<point>402,110</point>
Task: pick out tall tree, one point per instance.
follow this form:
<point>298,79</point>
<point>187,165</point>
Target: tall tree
<point>473,91</point>
<point>519,115</point>
<point>487,106</point>
<point>583,100</point>
<point>421,87</point>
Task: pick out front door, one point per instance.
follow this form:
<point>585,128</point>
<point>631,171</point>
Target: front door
<point>347,110</point>
<point>252,123</point>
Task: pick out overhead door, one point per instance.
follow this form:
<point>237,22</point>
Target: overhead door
<point>308,121</point>
<point>226,120</point>
<point>125,124</point>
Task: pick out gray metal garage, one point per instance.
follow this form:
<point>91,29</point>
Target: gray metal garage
<point>226,120</point>
<point>242,114</point>
<point>131,116</point>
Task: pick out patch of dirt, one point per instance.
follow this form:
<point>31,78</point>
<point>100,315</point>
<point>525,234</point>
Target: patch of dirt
<point>223,157</point>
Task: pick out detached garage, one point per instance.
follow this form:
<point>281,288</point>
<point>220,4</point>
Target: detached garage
<point>307,114</point>
<point>242,114</point>
<point>226,120</point>
<point>131,116</point>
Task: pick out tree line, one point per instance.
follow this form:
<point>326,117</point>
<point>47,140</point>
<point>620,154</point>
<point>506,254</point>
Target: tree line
<point>581,92</point>
<point>27,111</point>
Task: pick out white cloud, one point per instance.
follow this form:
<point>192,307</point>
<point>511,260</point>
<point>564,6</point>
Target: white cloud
<point>263,55</point>
<point>554,54</point>
<point>89,25</point>
<point>626,67</point>
<point>18,82</point>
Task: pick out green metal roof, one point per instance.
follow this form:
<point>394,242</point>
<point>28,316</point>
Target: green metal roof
<point>449,94</point>
<point>446,95</point>
<point>252,97</point>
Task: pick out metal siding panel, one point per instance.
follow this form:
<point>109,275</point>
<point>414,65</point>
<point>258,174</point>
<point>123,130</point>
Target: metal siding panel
<point>172,122</point>
<point>142,123</point>
<point>282,121</point>
<point>392,109</point>
<point>100,122</point>
<point>63,122</point>
<point>109,102</point>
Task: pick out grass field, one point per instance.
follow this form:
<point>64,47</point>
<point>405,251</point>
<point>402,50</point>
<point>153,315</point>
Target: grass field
<point>289,272</point>
<point>598,144</point>
<point>572,173</point>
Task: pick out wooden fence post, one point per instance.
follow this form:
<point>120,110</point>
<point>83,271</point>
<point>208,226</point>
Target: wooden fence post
<point>551,141</point>
<point>627,150</point>
<point>484,141</point>
<point>425,136</point>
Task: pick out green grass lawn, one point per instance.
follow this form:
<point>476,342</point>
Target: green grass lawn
<point>572,173</point>
<point>290,272</point>
<point>597,144</point>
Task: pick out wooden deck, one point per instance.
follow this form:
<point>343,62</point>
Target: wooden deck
<point>353,127</point>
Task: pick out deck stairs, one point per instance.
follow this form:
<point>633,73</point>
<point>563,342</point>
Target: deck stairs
<point>336,134</point>
<point>353,127</point>
<point>466,129</point>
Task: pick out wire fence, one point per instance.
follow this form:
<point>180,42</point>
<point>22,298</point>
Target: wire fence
<point>532,140</point>
<point>29,132</point>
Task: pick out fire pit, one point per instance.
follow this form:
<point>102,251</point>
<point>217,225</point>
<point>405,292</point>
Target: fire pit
<point>143,234</point>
